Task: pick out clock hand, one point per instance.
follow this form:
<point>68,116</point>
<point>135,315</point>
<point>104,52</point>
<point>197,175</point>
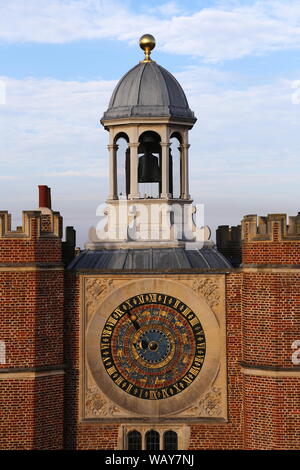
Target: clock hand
<point>133,318</point>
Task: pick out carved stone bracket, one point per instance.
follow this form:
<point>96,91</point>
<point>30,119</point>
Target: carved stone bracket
<point>210,405</point>
<point>209,289</point>
<point>96,290</point>
<point>98,406</point>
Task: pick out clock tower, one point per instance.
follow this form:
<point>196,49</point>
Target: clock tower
<point>149,338</point>
<point>152,341</point>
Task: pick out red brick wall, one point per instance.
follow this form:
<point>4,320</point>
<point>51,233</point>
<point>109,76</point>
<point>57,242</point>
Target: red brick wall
<point>30,250</point>
<point>271,317</point>
<point>274,249</point>
<point>267,252</point>
<point>31,413</point>
<point>271,323</point>
<point>31,317</point>
<point>271,413</point>
<point>31,324</point>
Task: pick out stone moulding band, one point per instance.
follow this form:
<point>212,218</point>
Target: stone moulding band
<point>31,267</point>
<point>269,267</point>
<point>31,372</point>
<point>268,371</point>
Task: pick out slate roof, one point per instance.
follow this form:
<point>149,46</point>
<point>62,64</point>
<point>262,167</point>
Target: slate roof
<point>164,259</point>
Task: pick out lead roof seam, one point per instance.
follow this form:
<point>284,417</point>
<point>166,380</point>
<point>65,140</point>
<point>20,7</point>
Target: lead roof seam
<point>118,86</point>
<point>223,257</point>
<point>162,81</point>
<point>139,90</point>
<point>168,91</point>
<point>184,256</point>
<point>179,86</point>
<point>203,257</point>
<point>139,74</point>
<point>124,259</point>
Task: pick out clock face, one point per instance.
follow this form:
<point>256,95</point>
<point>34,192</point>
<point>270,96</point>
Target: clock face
<point>153,346</point>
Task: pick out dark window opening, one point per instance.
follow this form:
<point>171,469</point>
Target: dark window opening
<point>170,440</point>
<point>152,440</point>
<point>134,440</point>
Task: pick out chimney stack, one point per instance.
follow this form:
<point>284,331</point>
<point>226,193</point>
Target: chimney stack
<point>45,197</point>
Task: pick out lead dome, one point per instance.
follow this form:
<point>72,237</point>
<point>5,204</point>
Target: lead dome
<point>148,90</point>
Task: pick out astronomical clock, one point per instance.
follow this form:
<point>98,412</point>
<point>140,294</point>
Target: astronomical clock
<point>153,348</point>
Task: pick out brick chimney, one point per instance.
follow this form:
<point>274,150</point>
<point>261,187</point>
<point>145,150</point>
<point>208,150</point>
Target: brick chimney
<point>44,197</point>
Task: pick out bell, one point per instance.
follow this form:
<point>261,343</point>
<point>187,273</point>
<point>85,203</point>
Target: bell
<point>148,169</point>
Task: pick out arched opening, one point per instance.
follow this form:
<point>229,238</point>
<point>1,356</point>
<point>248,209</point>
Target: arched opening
<point>134,440</point>
<point>152,440</point>
<point>149,165</point>
<point>175,142</point>
<point>123,165</point>
<point>170,440</point>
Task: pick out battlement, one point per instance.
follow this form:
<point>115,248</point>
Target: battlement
<point>261,240</point>
<point>38,240</point>
<point>35,225</point>
<point>274,227</point>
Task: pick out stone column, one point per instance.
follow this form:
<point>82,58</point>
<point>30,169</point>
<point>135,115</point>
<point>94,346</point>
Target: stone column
<point>165,191</point>
<point>184,153</point>
<point>113,182</point>
<point>181,179</point>
<point>134,194</point>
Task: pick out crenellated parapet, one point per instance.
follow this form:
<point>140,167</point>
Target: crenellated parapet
<point>35,225</point>
<point>261,240</point>
<point>274,227</point>
<point>271,240</point>
<point>38,240</point>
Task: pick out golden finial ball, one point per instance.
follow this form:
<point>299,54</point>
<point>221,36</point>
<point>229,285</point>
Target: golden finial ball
<point>147,41</point>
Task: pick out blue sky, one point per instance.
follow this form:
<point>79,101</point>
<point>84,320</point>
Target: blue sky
<point>238,62</point>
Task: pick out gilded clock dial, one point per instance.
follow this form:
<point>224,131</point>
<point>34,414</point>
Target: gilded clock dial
<point>153,346</point>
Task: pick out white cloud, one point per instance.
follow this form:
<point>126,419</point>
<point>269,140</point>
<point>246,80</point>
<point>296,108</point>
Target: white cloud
<point>244,146</point>
<point>227,31</point>
<point>168,9</point>
<point>51,127</point>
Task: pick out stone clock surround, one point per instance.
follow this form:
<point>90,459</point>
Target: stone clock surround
<point>102,400</point>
